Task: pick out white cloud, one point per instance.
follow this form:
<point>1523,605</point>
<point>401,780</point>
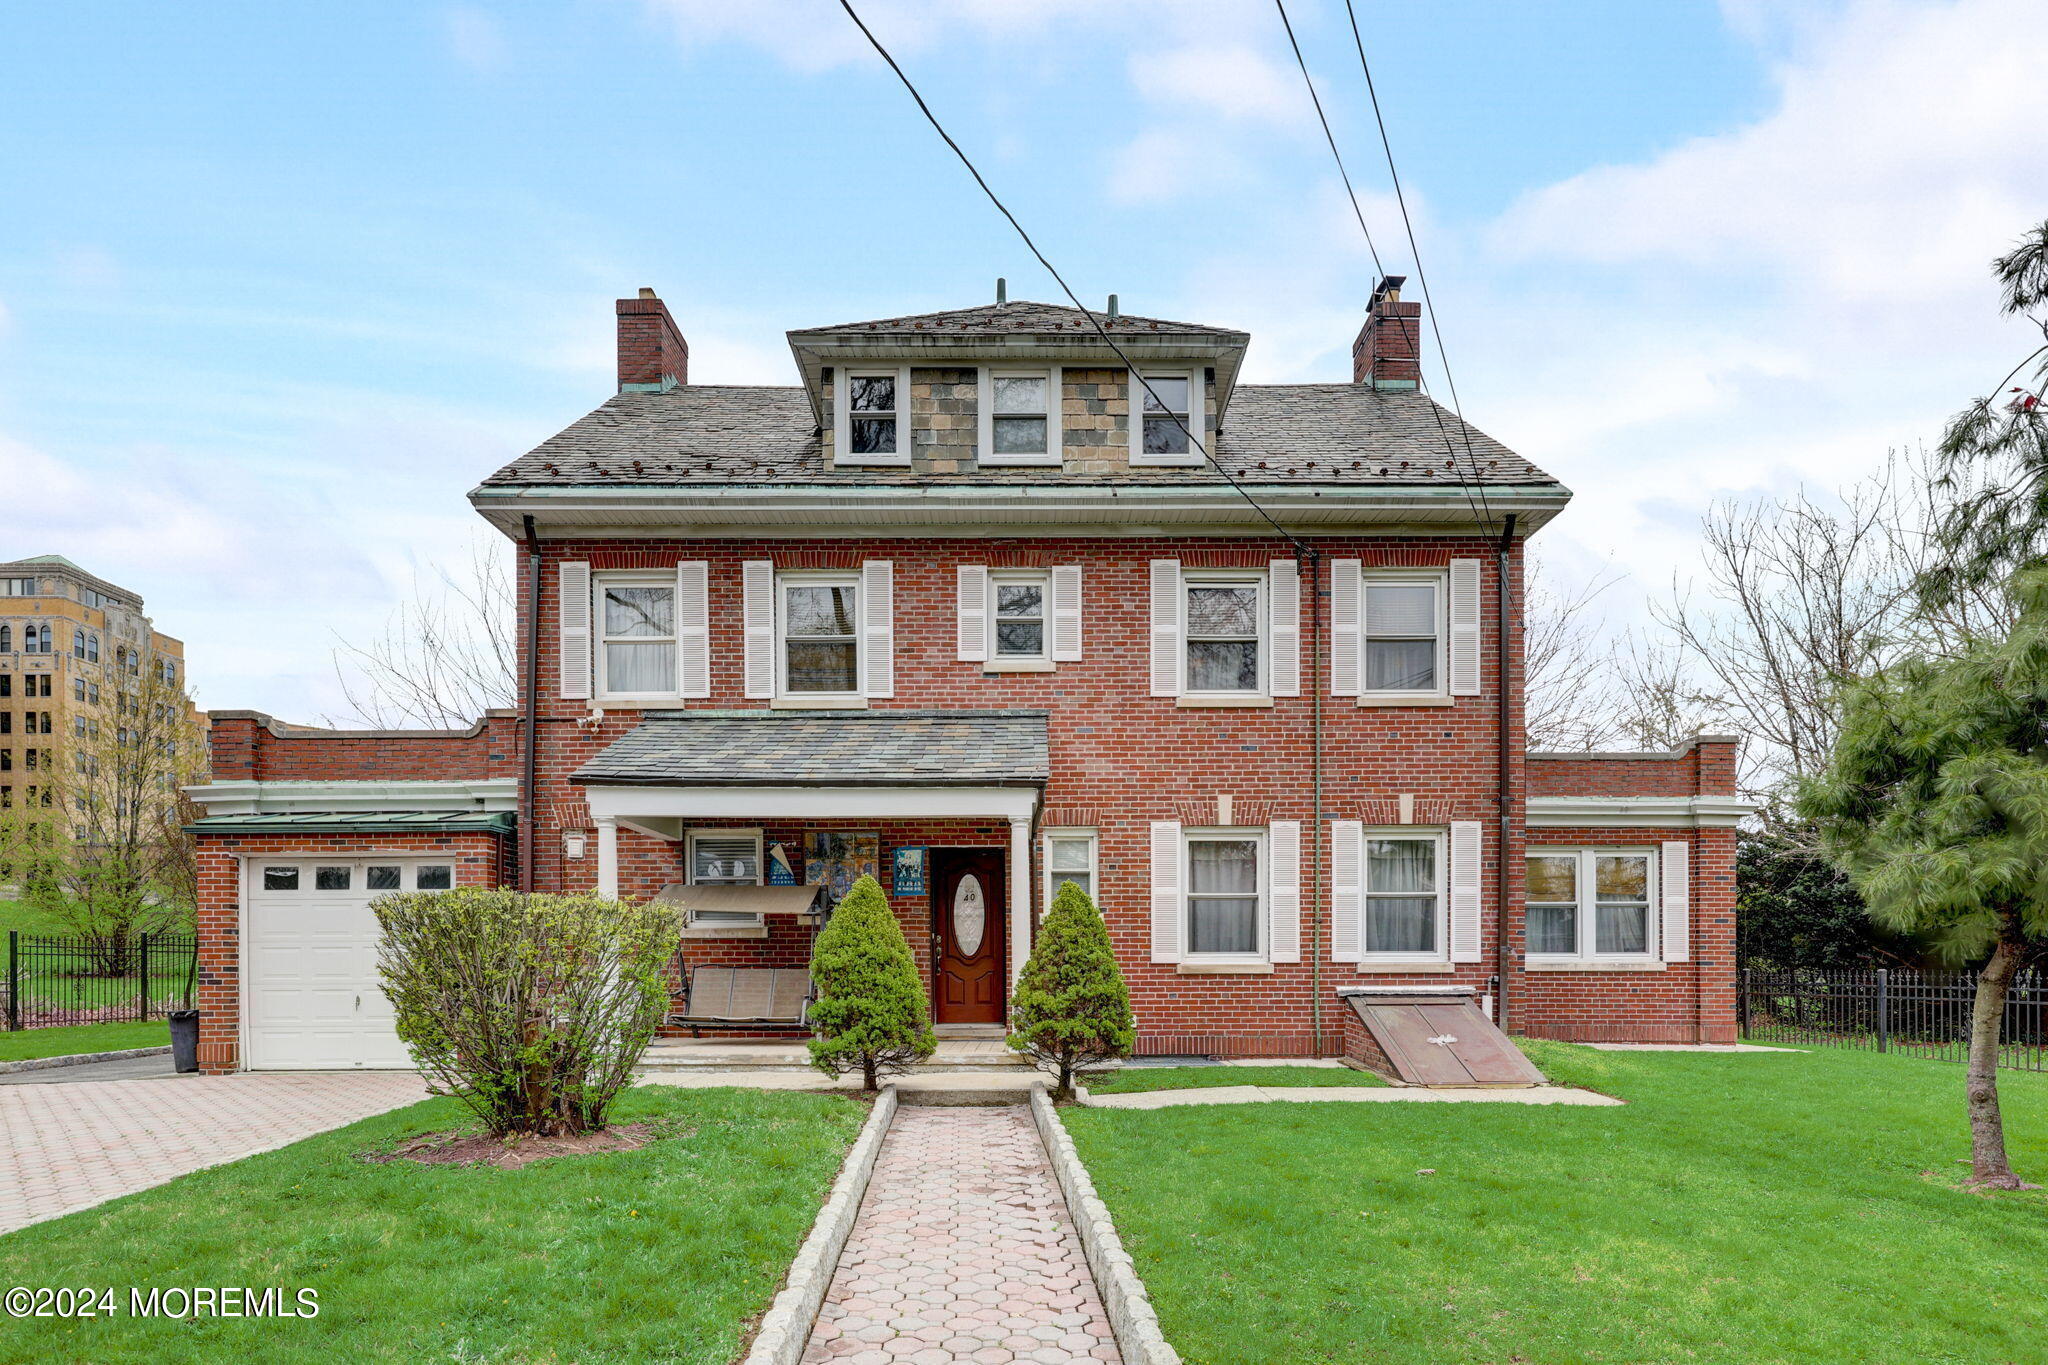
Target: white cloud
<point>818,37</point>
<point>1231,79</point>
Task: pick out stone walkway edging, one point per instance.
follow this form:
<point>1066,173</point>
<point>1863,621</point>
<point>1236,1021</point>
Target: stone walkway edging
<point>786,1327</point>
<point>80,1059</point>
<point>1131,1316</point>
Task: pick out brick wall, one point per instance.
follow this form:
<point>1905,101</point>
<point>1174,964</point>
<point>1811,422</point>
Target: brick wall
<point>250,746</point>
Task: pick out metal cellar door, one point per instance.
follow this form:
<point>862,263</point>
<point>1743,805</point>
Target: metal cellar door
<point>1437,1036</point>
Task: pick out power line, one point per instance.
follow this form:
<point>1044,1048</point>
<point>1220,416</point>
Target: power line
<point>1481,509</point>
<point>1137,409</point>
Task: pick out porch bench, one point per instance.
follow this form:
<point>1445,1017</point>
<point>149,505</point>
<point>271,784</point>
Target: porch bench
<point>758,997</point>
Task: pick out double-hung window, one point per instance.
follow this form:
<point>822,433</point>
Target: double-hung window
<point>1226,895</point>
<point>1168,416</point>
<point>1020,417</point>
<point>1019,602</point>
<point>1226,626</point>
<point>820,635</point>
<point>637,621</point>
<point>1590,904</point>
<point>1404,896</point>
<point>1069,857</point>
<point>725,857</point>
<point>1404,635</point>
<point>871,416</point>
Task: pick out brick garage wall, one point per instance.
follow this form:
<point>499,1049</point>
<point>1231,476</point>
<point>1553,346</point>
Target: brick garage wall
<point>1704,767</point>
<point>480,859</point>
<point>250,746</point>
<point>1118,754</point>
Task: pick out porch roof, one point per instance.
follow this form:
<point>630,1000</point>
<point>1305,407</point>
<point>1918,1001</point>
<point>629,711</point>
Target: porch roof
<point>884,748</point>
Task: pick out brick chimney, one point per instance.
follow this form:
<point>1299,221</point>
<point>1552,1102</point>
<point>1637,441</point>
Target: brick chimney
<point>653,357</point>
<point>1388,350</point>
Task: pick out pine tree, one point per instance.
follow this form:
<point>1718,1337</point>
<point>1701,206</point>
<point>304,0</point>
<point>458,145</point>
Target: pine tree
<point>871,1006</point>
<point>1936,804</point>
<point>1072,1009</point>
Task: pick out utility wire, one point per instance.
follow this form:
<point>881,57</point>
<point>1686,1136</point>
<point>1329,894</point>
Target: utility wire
<point>1137,416</point>
<point>1481,511</point>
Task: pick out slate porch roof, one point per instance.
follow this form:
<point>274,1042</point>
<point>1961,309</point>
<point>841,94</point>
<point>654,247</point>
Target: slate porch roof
<point>907,748</point>
<point>1273,434</point>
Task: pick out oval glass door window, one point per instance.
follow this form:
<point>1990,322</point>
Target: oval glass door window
<point>970,916</point>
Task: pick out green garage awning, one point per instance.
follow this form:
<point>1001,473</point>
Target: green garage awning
<point>359,822</point>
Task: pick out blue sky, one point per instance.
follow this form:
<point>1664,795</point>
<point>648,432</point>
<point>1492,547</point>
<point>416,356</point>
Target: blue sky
<point>278,284</point>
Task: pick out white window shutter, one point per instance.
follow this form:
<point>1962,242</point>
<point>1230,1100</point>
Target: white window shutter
<point>572,614</point>
<point>1675,873</point>
<point>1283,588</point>
<point>1283,875</point>
<point>693,627</point>
<point>1168,658</point>
<point>1347,868</point>
<point>1347,620</point>
<point>1464,645</point>
<point>878,612</point>
<point>757,605</point>
<point>1464,881</point>
<point>1166,909</point>
<point>1064,584</point>
<point>972,599</point>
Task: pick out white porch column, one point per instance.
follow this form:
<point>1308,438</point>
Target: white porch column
<point>1020,896</point>
<point>607,857</point>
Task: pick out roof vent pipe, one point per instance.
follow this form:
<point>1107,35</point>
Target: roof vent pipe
<point>1112,307</point>
<point>1002,291</point>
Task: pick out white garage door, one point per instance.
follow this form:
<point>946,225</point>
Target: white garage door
<point>311,996</point>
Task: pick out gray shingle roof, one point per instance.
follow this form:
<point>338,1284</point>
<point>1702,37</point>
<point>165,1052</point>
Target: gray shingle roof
<point>1019,317</point>
<point>1273,433</point>
<point>825,748</point>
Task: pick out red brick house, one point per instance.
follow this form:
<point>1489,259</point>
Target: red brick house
<point>944,610</point>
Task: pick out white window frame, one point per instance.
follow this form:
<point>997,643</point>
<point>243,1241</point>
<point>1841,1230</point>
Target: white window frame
<point>820,578</point>
<point>602,662</point>
<point>739,920</point>
<point>1439,581</point>
<point>842,416</point>
<point>1588,917</point>
<point>1439,838</point>
<point>1197,416</point>
<point>1190,579</point>
<point>985,406</point>
<point>1012,578</point>
<point>1048,886</point>
<point>1261,918</point>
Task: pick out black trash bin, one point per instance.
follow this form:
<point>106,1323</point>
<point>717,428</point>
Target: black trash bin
<point>184,1039</point>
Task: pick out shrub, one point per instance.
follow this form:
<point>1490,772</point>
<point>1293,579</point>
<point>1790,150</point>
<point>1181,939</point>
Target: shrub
<point>532,1010</point>
<point>871,1007</point>
<point>1072,1010</point>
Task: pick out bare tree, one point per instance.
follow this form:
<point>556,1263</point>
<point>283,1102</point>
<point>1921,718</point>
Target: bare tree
<point>1569,689</point>
<point>446,656</point>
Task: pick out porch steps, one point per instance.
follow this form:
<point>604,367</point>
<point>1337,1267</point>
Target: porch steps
<point>971,1056</point>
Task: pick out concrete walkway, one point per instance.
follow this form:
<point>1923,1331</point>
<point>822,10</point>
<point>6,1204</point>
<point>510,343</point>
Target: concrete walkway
<point>68,1146</point>
<point>1254,1094</point>
<point>963,1251</point>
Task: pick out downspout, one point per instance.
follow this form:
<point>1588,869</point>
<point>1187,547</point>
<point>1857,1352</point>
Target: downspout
<point>531,684</point>
<point>1309,561</point>
<point>1504,874</point>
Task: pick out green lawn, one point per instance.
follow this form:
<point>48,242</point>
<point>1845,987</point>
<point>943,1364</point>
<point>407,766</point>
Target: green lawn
<point>18,915</point>
<point>1742,1208</point>
<point>60,1041</point>
<point>1132,1079</point>
<point>661,1254</point>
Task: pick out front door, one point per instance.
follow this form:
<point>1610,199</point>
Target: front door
<point>967,935</point>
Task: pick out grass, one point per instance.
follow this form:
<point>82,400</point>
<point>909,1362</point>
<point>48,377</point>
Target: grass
<point>1744,1207</point>
<point>66,1039</point>
<point>661,1254</point>
<point>58,981</point>
<point>24,917</point>
<point>1131,1080</point>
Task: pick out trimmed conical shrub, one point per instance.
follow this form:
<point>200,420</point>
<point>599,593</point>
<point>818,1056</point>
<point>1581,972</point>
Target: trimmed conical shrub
<point>1072,1010</point>
<point>871,1009</point>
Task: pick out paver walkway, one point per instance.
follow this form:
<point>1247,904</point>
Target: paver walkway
<point>963,1251</point>
<point>69,1146</point>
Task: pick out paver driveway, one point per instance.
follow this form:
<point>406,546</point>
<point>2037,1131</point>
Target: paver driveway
<point>66,1147</point>
<point>963,1251</point>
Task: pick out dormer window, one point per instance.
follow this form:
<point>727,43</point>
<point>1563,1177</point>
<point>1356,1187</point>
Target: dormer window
<point>1173,411</point>
<point>872,417</point>
<point>1019,417</point>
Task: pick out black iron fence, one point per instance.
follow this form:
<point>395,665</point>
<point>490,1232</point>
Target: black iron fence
<point>77,980</point>
<point>1926,1014</point>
